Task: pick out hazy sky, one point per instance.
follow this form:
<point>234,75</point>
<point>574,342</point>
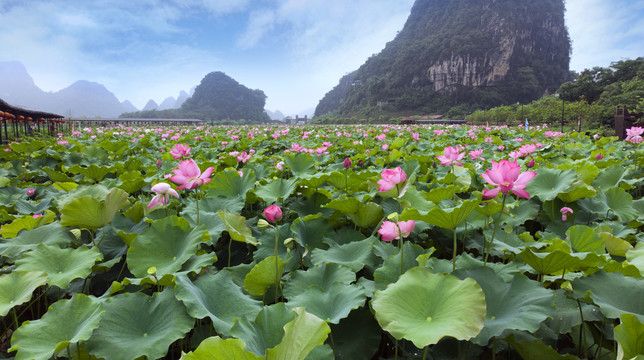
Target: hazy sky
<point>293,50</point>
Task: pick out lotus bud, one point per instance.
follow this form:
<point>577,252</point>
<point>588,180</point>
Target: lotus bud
<point>289,243</point>
<point>262,224</point>
<point>530,164</point>
<point>346,163</point>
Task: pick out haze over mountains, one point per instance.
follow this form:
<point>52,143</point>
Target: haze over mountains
<point>82,99</point>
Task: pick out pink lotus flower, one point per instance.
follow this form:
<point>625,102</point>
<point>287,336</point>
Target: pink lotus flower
<point>390,178</point>
<point>273,213</point>
<point>346,163</point>
<point>507,176</point>
<point>189,176</point>
<point>451,156</point>
<point>634,134</point>
<point>280,166</point>
<point>564,212</point>
<point>391,230</point>
<point>179,151</point>
<point>31,192</point>
<point>36,216</point>
<point>243,157</point>
<point>63,142</point>
<point>599,156</point>
<point>163,192</point>
<point>475,154</point>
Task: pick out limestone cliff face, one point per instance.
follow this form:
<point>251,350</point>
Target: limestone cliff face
<point>479,52</point>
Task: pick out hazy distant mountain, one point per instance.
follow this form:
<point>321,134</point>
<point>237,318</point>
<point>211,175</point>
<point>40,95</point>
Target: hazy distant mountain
<point>151,105</point>
<point>17,87</point>
<point>308,112</point>
<point>275,115</point>
<point>128,106</point>
<point>85,99</point>
<point>183,96</point>
<point>81,99</point>
<point>168,103</point>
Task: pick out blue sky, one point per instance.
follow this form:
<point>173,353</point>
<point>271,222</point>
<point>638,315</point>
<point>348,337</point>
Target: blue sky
<point>293,50</point>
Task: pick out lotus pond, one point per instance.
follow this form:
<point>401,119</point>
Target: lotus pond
<point>337,242</point>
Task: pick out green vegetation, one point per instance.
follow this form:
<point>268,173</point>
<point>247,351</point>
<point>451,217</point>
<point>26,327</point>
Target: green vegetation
<point>218,98</point>
<point>586,103</point>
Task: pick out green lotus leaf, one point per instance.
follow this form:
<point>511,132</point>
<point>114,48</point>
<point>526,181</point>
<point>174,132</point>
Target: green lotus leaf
<point>65,186</point>
<point>424,307</point>
<point>263,275</point>
<point>351,182</point>
<point>229,184</point>
<point>92,172</point>
<point>28,222</point>
<point>301,165</point>
<point>354,255</point>
<point>95,153</point>
<point>266,245</point>
<point>621,267</point>
<point>28,146</point>
<point>135,324</point>
<point>276,190</point>
<point>266,330</point>
<point>66,322</point>
<point>615,293</point>
<point>323,276</point>
<point>615,245</point>
<point>551,182</point>
<point>585,239</point>
<point>90,213</point>
<point>27,207</point>
<point>522,304</point>
<point>357,336</point>
<point>237,228</point>
<point>536,350</point>
<point>208,216</point>
<point>301,336</point>
<point>132,185</point>
<point>322,352</point>
<point>587,171</point>
<point>50,234</point>
<point>620,202</point>
<point>552,262</point>
<point>310,231</point>
<point>61,265</point>
<point>344,204</point>
<point>167,244</point>
<point>580,190</point>
<point>17,288</point>
<point>331,304</point>
<point>444,218</point>
<point>636,257</point>
<point>525,210</point>
<point>368,214</point>
<point>216,297</point>
<point>418,199</point>
<point>390,270</point>
<point>609,177</point>
<point>566,313</point>
<point>95,191</point>
<point>630,337</point>
<point>218,348</point>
